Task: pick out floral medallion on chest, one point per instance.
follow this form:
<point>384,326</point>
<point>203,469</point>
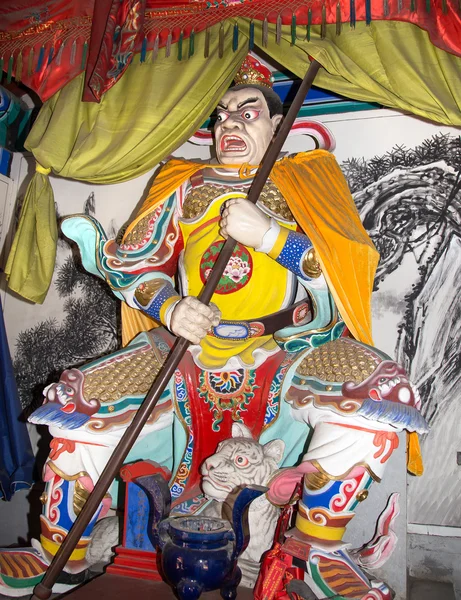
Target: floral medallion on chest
<point>237,272</point>
<point>227,391</point>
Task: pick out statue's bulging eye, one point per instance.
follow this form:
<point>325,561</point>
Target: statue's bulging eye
<point>222,116</point>
<point>250,115</point>
<point>241,461</point>
<point>382,380</point>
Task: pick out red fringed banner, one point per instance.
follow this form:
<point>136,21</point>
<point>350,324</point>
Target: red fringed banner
<point>45,46</point>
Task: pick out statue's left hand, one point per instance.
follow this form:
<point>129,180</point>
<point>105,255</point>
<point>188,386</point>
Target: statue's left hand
<point>244,222</point>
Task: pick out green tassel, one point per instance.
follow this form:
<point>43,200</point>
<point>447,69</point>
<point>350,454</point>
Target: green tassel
<point>235,38</point>
<point>323,27</point>
<point>386,10</point>
<point>444,7</point>
<point>142,58</point>
<point>251,42</point>
<point>41,55</point>
<point>412,6</point>
<point>399,5</point>
<point>309,24</point>
<point>206,52</point>
<point>10,69</point>
<point>338,19</point>
<point>1,68</point>
<point>293,29</point>
<point>428,6</point>
<point>180,41</point>
<point>191,43</point>
<point>84,55</point>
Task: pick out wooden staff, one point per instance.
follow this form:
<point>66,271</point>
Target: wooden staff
<point>42,590</point>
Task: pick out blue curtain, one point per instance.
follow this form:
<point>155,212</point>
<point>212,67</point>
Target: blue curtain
<point>16,457</point>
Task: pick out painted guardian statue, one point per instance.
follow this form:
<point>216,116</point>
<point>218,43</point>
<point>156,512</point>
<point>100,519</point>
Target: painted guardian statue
<point>274,352</point>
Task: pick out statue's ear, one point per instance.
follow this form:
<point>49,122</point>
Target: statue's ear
<point>239,430</point>
<point>275,450</point>
<point>276,119</point>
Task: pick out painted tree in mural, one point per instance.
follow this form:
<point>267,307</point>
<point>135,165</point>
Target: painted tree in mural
<point>85,327</point>
<point>410,203</point>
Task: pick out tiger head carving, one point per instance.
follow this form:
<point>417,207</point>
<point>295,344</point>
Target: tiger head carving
<point>240,460</point>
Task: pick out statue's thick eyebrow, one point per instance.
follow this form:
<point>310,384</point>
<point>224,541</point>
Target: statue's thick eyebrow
<point>247,101</point>
<point>223,106</point>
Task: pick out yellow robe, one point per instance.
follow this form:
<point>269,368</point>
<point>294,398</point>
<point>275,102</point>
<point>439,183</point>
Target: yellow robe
<point>318,196</point>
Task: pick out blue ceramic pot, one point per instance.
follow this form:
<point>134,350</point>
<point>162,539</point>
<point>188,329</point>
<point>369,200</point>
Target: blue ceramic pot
<point>199,555</point>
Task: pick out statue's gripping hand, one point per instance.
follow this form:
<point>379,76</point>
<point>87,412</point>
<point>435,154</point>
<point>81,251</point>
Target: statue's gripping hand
<point>191,319</point>
<point>244,222</point>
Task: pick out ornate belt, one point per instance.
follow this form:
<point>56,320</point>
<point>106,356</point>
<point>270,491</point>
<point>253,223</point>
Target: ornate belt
<point>296,315</point>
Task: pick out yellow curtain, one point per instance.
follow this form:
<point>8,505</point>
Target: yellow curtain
<point>155,107</point>
<point>388,62</point>
<point>152,110</point>
<point>32,255</point>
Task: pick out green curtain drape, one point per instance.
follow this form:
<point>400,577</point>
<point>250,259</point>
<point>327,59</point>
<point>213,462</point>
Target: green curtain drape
<point>156,106</point>
<point>388,62</point>
<point>152,110</point>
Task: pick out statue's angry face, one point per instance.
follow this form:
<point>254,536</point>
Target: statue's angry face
<point>244,127</point>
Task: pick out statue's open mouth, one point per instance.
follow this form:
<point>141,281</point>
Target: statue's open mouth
<point>232,143</point>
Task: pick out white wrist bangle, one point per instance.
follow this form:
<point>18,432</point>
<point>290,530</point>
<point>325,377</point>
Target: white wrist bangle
<point>270,237</point>
<point>169,313</point>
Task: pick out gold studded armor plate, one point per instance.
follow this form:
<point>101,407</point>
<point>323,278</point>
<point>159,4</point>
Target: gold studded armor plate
<point>199,199</point>
<point>339,361</point>
<point>138,233</point>
<point>129,375</point>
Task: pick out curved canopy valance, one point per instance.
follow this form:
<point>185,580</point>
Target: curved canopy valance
<point>47,44</point>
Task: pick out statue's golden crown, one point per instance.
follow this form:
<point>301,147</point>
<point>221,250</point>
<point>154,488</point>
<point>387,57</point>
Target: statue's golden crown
<point>253,72</point>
